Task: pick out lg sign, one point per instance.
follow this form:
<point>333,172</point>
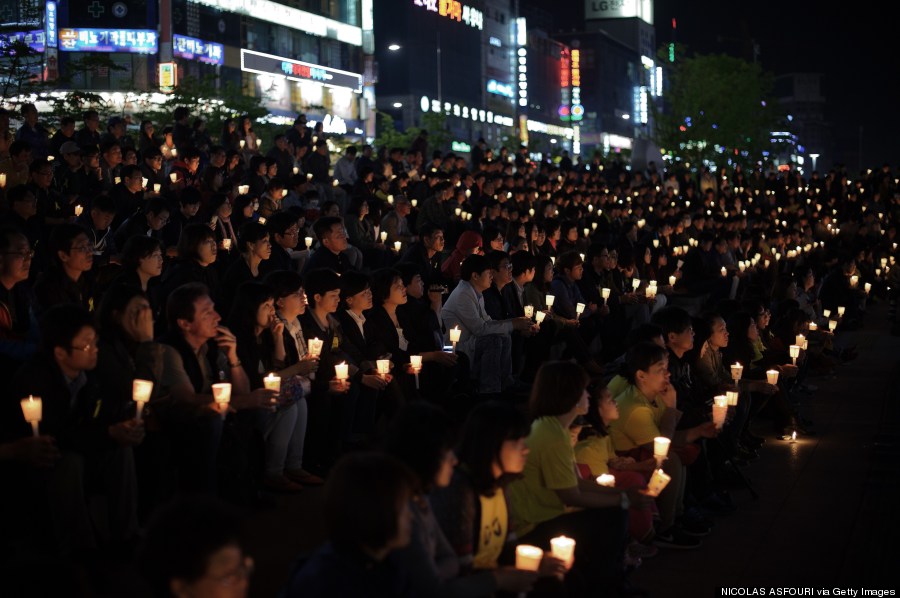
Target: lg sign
<point>619,9</point>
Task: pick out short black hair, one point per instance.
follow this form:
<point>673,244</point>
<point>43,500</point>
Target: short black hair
<point>104,203</point>
<point>180,304</point>
<point>61,239</point>
<point>382,280</point>
<point>284,282</point>
<point>60,324</point>
<point>641,356</point>
<point>321,281</point>
<point>279,222</point>
<point>137,248</point>
<point>251,232</point>
<point>495,258</point>
<point>192,236</point>
<point>323,226</point>
<point>488,426</point>
<point>522,261</point>
<point>672,320</point>
<point>353,283</point>
<point>474,264</point>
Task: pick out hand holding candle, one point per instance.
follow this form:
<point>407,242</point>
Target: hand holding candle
<point>737,370</point>
<point>314,347</point>
<point>563,548</point>
<point>719,410</point>
<point>661,446</point>
<point>795,353</point>
<point>579,309</point>
<point>549,299</point>
<point>528,558</point>
<point>222,396</point>
<point>272,382</point>
<point>455,333</point>
<point>529,311</point>
<point>140,394</point>
<point>606,480</point>
<point>658,482</point>
<point>732,396</point>
<point>415,361</point>
<point>308,241</point>
<point>384,368</point>
<point>32,409</point>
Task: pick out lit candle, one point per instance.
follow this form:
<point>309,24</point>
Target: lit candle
<point>832,325</point>
<point>79,210</point>
<point>272,382</point>
<point>549,299</point>
<point>672,280</point>
<point>51,158</point>
<point>841,311</point>
<point>222,396</point>
<point>724,271</point>
<point>296,170</point>
<point>284,193</point>
<point>594,225</point>
<point>579,309</point>
<point>795,353</point>
<point>826,313</point>
<point>604,292</point>
<point>383,236</point>
<point>144,181</point>
<point>314,347</point>
<point>868,287</point>
<point>528,558</point>
<point>656,243</point>
<point>658,481</point>
<point>243,189</point>
<point>334,183</point>
<point>854,281</point>
<point>384,367</point>
<point>2,180</point>
<point>813,326</point>
<point>562,548</point>
<point>308,241</point>
<point>262,220</point>
<point>539,317</point>
<point>529,311</point>
<point>607,480</point>
<point>258,142</point>
<point>737,370</point>
<point>772,376</point>
<point>661,446</point>
<point>117,180</point>
<point>800,340</point>
<point>415,202</point>
<point>226,244</point>
<point>140,394</point>
<point>243,143</point>
<point>390,199</point>
<point>635,283</point>
<point>732,396</point>
<point>309,176</point>
<point>157,187</point>
<point>397,245</point>
<point>174,152</point>
<point>455,333</point>
<point>173,177</point>
<point>458,211</point>
<point>32,409</point>
<point>416,362</point>
<point>650,292</point>
<point>341,371</point>
<point>719,410</point>
<point>587,232</point>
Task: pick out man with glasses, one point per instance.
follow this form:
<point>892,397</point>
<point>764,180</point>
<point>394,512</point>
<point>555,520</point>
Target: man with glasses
<point>285,231</point>
<point>152,169</point>
<point>16,327</point>
<point>70,255</point>
<point>89,435</point>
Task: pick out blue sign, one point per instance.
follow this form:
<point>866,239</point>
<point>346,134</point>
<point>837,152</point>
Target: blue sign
<point>34,39</point>
<point>136,41</point>
<point>51,24</point>
<point>501,89</point>
<point>192,48</point>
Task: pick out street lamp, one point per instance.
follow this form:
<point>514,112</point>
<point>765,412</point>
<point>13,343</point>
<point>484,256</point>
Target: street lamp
<point>394,47</point>
<point>398,105</point>
<point>814,157</point>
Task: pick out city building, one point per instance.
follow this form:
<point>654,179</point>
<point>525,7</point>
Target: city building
<point>808,143</point>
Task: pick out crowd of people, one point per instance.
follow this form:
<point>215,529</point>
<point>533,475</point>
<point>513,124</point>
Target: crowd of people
<point>471,353</point>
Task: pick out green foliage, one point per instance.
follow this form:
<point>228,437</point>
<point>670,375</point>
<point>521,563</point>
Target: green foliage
<point>20,68</point>
<point>716,100</point>
<point>387,135</point>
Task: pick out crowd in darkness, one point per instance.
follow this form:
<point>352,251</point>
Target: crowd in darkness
<point>462,346</point>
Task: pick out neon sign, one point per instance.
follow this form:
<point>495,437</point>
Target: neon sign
<point>51,24</point>
<point>577,108</point>
<point>135,41</point>
<point>455,11</point>
<point>196,49</point>
<point>565,109</point>
<point>522,69</point>
<point>267,64</point>
<point>33,39</point>
<point>501,89</point>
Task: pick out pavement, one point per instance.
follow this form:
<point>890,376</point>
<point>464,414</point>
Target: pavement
<point>826,516</point>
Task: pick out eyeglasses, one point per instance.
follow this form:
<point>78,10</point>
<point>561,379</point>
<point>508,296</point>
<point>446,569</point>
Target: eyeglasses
<point>82,248</point>
<point>25,255</point>
<point>91,346</point>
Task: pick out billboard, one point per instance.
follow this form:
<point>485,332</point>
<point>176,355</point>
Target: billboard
<point>619,9</point>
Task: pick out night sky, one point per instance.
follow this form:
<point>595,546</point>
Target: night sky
<point>857,53</point>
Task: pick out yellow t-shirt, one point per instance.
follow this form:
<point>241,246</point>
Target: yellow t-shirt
<point>550,467</point>
<point>595,452</point>
<point>638,422</point>
<point>494,525</point>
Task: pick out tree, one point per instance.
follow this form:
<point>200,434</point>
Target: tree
<point>716,107</point>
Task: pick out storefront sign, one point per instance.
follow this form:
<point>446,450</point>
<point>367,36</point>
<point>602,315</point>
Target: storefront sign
<point>51,24</point>
<point>294,70</point>
<point>168,76</point>
<point>455,11</point>
<point>501,89</point>
<point>136,41</point>
<point>36,40</point>
<point>191,48</point>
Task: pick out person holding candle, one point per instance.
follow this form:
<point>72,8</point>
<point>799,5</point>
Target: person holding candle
<point>473,512</point>
<point>395,222</point>
<point>485,341</point>
<point>329,405</point>
<point>255,246</point>
<point>595,450</point>
<point>202,353</point>
<point>368,520</point>
<point>91,435</point>
<point>648,410</point>
<point>333,251</point>
<point>542,502</point>
<point>285,230</point>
